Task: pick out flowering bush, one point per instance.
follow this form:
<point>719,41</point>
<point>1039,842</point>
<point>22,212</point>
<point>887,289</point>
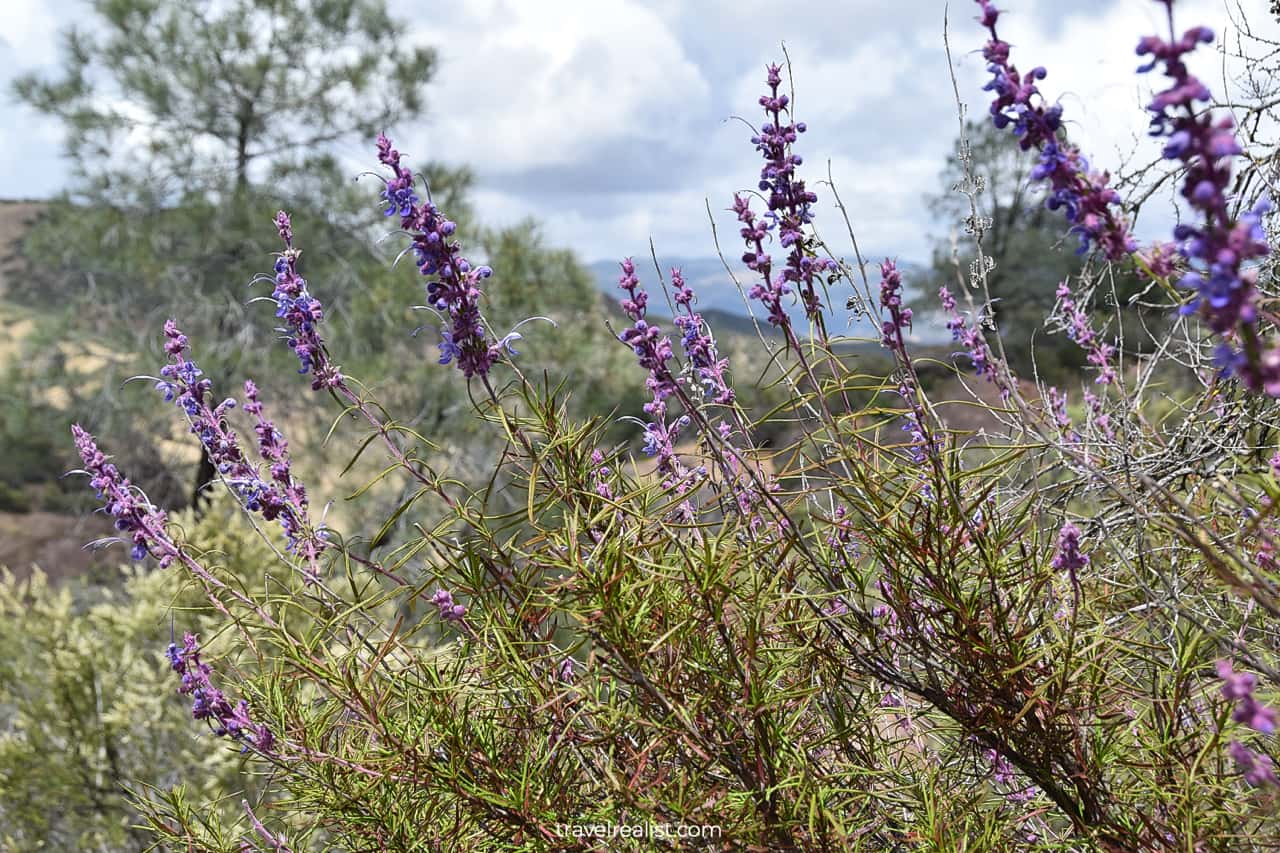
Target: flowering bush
<point>1057,632</point>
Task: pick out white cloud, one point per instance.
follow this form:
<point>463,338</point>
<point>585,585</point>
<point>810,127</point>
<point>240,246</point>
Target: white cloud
<point>30,29</point>
<point>526,85</point>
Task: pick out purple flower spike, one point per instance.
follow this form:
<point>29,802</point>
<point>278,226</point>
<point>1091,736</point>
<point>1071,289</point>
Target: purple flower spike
<point>1235,685</point>
<point>281,498</point>
<point>899,318</point>
<point>453,284</point>
<point>133,514</point>
<point>1058,409</point>
<point>1069,557</point>
<point>565,672</point>
<point>789,210</point>
<point>210,703</point>
<point>1083,196</point>
<point>699,345</point>
<point>600,474</point>
<point>975,345</point>
<point>291,494</point>
<point>1100,354</point>
<point>1219,250</point>
<point>654,352</point>
<point>1238,687</point>
<point>301,313</point>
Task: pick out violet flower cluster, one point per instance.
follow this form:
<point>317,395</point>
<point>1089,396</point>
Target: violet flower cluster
<point>289,492</point>
<point>283,499</point>
<point>1069,558</point>
<point>450,611</point>
<point>1100,418</point>
<point>453,283</point>
<point>210,703</point>
<point>789,209</point>
<point>301,312</point>
<point>134,515</point>
<point>1083,196</point>
<point>699,345</point>
<point>600,475</point>
<point>1100,354</point>
<point>891,300</point>
<point>970,337</point>
<point>892,325</point>
<point>1002,773</point>
<point>843,535</point>
<point>1219,249</point>
<point>1238,687</point>
<point>654,352</point>
<point>1058,409</point>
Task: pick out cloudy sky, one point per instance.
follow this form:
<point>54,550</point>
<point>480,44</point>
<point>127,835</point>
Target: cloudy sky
<point>611,121</point>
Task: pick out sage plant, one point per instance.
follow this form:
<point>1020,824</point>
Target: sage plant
<point>795,630</point>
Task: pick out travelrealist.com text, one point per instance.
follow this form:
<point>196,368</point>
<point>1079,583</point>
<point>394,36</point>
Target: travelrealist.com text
<point>637,830</point>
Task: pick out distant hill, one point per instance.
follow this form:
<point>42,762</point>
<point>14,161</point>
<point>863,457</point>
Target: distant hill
<point>720,302</point>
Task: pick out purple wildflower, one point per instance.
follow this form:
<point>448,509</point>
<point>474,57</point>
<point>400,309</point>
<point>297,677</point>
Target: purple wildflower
<point>789,209</point>
<point>1160,259</point>
<point>1100,353</point>
<point>891,338</point>
<point>843,536</point>
<point>133,514</point>
<point>835,608</point>
<point>564,672</point>
<point>600,474</point>
<point>274,450</point>
<point>1083,196</point>
<point>891,300</point>
<point>1002,773</point>
<point>1100,417</point>
<point>1256,767</point>
<point>919,443</point>
<point>652,348</point>
<point>1235,685</point>
<point>975,345</point>
<point>210,703</point>
<point>1255,715</point>
<point>1058,408</point>
<point>1069,557</point>
<point>282,499</point>
<point>301,312</point>
<point>654,352</point>
<point>699,345</point>
<point>450,611</point>
<point>1220,249</point>
<point>1001,769</point>
<point>453,284</point>
<point>1238,687</point>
